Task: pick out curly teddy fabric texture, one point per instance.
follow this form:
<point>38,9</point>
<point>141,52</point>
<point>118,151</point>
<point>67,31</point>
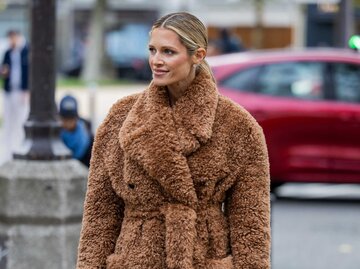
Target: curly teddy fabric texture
<point>181,187</point>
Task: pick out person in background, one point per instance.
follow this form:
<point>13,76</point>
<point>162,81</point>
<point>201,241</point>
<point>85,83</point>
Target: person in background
<point>14,71</point>
<point>229,42</point>
<point>214,48</point>
<point>75,132</point>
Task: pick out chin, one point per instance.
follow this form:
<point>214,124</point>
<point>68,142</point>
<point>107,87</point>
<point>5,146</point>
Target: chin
<point>160,82</point>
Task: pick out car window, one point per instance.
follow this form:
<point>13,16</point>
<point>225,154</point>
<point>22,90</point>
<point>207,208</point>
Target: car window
<point>302,80</point>
<point>244,80</point>
<point>347,82</point>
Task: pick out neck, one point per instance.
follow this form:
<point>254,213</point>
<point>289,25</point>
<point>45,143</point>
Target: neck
<point>177,90</point>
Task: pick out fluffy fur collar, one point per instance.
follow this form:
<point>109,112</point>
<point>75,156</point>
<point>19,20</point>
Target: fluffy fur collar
<point>160,137</point>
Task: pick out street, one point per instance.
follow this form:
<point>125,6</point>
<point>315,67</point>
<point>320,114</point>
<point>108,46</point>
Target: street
<point>316,226</point>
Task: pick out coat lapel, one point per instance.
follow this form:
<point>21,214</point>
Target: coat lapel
<point>160,137</point>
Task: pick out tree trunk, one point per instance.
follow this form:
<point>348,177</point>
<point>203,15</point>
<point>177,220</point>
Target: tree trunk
<point>93,66</point>
<point>257,34</point>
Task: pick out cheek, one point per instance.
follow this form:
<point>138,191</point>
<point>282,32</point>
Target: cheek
<point>182,64</point>
<point>68,125</point>
<point>185,68</point>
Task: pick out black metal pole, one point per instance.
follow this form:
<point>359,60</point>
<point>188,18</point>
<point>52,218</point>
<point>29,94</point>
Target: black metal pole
<point>346,22</point>
<point>42,129</point>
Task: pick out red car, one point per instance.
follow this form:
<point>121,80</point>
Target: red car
<point>308,104</point>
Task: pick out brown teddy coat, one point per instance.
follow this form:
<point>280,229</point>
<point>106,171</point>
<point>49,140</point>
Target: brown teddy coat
<point>182,187</point>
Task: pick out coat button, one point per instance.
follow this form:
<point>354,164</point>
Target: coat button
<point>131,186</point>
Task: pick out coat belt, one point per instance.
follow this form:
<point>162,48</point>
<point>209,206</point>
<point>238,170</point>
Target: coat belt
<point>180,229</point>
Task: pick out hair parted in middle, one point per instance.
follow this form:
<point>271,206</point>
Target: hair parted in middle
<point>191,31</point>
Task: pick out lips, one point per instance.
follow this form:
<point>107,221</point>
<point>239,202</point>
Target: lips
<point>159,72</point>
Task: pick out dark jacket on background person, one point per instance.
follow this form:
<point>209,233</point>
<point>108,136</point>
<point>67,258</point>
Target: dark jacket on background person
<point>79,141</point>
<point>24,68</point>
<point>182,187</point>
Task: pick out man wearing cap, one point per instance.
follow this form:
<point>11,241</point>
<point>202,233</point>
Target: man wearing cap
<point>14,71</point>
<point>75,133</point>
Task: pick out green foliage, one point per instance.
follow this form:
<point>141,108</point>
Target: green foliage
<point>354,42</point>
<point>76,82</point>
<point>70,82</point>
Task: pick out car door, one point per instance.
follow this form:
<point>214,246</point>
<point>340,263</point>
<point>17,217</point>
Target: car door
<point>344,154</point>
<point>288,100</point>
<point>298,123</point>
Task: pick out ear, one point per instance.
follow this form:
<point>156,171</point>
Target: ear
<point>199,55</point>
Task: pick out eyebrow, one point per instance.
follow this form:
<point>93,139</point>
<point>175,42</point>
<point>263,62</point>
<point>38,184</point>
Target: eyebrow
<point>164,47</point>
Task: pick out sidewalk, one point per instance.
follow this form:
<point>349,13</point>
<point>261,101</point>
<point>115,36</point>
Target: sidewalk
<point>94,103</point>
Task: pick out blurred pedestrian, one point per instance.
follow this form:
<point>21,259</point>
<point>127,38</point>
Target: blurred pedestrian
<point>179,176</point>
<point>14,71</point>
<point>214,47</point>
<point>230,43</point>
<point>76,132</point>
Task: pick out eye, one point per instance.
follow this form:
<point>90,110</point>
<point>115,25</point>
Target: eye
<point>152,50</point>
<point>169,51</point>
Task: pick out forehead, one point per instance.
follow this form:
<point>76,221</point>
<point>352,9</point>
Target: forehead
<point>164,37</point>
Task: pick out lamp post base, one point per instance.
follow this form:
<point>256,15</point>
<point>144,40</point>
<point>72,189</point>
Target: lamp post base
<point>42,142</point>
<point>40,213</point>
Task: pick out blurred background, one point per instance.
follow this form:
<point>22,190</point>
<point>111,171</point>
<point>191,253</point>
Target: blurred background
<point>289,62</point>
<point>123,28</point>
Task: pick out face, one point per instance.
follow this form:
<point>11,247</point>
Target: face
<point>169,60</point>
<point>14,40</point>
<point>69,124</point>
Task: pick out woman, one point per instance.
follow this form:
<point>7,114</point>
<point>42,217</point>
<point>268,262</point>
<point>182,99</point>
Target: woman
<point>179,177</point>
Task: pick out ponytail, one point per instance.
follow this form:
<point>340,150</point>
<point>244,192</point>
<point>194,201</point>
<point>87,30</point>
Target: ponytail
<point>205,67</point>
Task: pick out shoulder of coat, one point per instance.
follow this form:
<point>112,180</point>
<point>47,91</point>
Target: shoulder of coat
<point>118,113</point>
<point>124,104</point>
<point>242,130</point>
<point>235,115</point>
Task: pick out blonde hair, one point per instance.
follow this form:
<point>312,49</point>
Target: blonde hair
<point>191,31</point>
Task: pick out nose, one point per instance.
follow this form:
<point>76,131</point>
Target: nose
<point>156,59</point>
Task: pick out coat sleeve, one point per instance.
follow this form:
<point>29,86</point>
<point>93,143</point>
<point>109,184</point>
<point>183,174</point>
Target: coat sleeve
<point>6,58</point>
<point>248,202</point>
<point>103,208</point>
